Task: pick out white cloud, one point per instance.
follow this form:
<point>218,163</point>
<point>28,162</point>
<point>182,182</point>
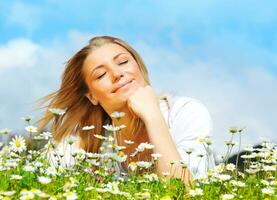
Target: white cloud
<point>28,72</point>
<point>18,53</point>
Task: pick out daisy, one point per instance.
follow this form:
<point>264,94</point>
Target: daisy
<point>269,168</point>
<point>38,137</point>
<point>26,195</point>
<point>233,130</point>
<point>70,195</point>
<point>265,182</point>
<point>42,194</point>
<point>87,128</point>
<point>102,190</point>
<point>143,195</point>
<point>183,164</point>
<point>110,138</point>
<point>112,128</point>
<point>227,196</point>
<point>252,171</point>
<point>5,131</point>
<point>230,143</point>
<point>196,192</point>
<point>201,139</point>
<point>44,180</point>
<point>151,177</point>
<point>27,118</point>
<point>70,140</point>
<point>165,174</point>
<point>11,164</point>
<point>167,197</point>
<point>18,144</point>
<point>101,137</point>
<point>46,135</point>
<point>113,187</point>
<point>89,188</point>
<point>143,146</point>
<point>208,140</point>
<point>51,171</point>
<point>203,179</point>
<point>68,185</point>
<point>273,183</point>
<point>248,156</point>
<point>156,156</point>
<point>249,149</point>
<point>231,167</point>
<point>144,164</point>
<point>129,142</point>
<point>117,115</point>
<point>15,177</point>
<point>119,148</point>
<point>224,177</point>
<point>31,129</point>
<point>237,183</point>
<point>9,193</point>
<point>268,191</point>
<point>132,166</point>
<point>50,145</point>
<point>189,151</point>
<point>57,111</point>
<point>28,168</point>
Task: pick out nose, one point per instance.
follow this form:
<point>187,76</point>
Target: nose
<point>116,73</point>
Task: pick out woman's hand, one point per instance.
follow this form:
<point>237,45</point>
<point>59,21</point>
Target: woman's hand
<point>144,103</point>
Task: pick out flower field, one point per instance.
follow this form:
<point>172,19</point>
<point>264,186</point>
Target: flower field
<point>28,172</point>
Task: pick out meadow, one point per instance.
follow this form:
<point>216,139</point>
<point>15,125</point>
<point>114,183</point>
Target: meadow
<point>28,171</point>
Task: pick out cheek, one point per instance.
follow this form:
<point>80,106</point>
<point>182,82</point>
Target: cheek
<point>100,90</point>
<point>139,77</point>
<point>136,71</point>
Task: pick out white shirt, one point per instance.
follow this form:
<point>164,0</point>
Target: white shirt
<point>187,120</point>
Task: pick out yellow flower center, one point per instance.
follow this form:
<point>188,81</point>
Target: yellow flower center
<point>17,143</point>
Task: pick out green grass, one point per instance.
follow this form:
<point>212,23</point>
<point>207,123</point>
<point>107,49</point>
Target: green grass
<point>91,178</point>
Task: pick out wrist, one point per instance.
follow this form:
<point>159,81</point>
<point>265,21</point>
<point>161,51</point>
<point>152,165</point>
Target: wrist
<point>152,117</point>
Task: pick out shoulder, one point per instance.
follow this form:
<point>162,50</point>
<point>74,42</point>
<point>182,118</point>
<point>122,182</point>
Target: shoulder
<point>181,104</point>
<point>177,102</point>
<point>189,115</point>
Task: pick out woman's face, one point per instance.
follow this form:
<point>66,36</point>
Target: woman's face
<point>112,75</point>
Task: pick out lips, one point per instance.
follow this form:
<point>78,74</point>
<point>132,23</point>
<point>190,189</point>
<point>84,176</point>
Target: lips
<point>121,85</point>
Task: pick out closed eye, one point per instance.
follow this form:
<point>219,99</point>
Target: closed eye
<point>101,76</point>
<point>123,62</point>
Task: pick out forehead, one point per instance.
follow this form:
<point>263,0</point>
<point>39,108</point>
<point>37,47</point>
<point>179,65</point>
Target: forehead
<point>103,54</point>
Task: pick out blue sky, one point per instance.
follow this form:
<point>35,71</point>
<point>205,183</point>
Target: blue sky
<point>223,53</point>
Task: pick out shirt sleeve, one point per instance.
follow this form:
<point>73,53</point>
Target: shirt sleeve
<point>190,121</point>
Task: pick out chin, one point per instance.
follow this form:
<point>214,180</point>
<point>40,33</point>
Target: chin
<point>125,96</point>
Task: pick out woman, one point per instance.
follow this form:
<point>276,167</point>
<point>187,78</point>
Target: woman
<point>108,75</point>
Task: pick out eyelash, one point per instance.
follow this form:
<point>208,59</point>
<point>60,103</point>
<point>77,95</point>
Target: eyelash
<point>101,76</point>
<point>123,62</point>
<point>119,64</point>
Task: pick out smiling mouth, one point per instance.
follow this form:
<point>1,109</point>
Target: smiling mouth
<point>121,86</point>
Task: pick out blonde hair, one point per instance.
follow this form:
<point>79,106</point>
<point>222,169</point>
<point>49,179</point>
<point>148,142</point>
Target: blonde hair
<point>80,111</point>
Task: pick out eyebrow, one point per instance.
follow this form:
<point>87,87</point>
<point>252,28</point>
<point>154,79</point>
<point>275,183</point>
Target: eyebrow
<point>114,58</point>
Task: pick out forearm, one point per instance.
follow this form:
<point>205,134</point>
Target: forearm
<point>160,137</point>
